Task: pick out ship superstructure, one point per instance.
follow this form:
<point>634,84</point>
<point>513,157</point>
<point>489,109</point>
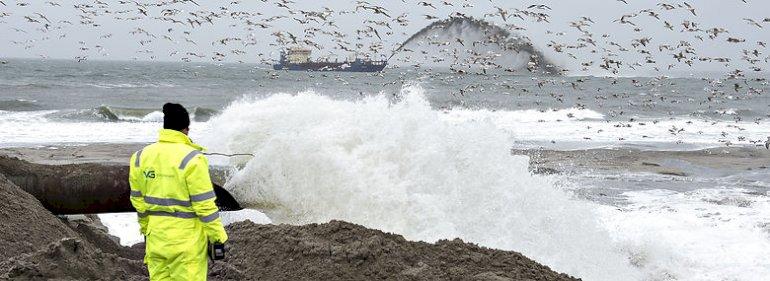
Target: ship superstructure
<point>299,59</point>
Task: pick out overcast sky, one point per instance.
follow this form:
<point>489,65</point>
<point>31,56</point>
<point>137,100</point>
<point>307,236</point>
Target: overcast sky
<point>114,31</point>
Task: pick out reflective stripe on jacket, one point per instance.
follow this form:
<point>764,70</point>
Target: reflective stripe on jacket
<point>171,188</point>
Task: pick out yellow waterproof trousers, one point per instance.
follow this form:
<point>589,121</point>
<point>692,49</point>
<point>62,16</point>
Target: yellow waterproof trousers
<point>176,255</point>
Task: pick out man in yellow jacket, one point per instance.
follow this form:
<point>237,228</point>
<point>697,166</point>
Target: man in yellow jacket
<point>173,195</point>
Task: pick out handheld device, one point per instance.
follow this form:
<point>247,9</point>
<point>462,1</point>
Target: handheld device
<point>216,251</point>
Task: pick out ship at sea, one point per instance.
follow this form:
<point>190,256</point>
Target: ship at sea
<point>299,59</point>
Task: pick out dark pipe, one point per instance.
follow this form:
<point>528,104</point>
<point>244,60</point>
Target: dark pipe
<point>225,201</point>
<point>83,188</point>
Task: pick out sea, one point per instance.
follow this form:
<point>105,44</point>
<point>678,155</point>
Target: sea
<point>426,153</point>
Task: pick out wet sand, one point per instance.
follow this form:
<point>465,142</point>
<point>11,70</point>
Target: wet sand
<point>728,159</point>
<point>676,163</point>
<point>105,153</point>
<point>99,153</point>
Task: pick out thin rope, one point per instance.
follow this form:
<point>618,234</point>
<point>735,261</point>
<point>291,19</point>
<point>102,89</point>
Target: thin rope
<point>229,155</point>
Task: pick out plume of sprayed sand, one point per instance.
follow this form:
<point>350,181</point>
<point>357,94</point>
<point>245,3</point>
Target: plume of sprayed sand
<point>463,43</point>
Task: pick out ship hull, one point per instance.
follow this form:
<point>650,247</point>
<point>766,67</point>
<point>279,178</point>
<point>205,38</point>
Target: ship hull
<point>324,66</point>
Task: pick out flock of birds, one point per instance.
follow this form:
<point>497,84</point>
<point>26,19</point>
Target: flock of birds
<point>181,19</point>
<point>178,23</point>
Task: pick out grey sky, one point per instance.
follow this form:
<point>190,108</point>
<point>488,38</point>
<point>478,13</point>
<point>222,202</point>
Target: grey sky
<point>113,39</point>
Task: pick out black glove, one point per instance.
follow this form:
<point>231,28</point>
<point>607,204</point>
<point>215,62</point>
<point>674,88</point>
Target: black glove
<point>216,251</point>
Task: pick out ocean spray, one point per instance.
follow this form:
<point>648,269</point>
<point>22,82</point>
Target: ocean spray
<point>400,167</point>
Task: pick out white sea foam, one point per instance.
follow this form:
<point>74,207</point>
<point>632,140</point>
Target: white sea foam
<point>131,85</point>
<point>24,116</point>
<point>527,116</point>
<point>428,174</point>
<point>126,228</point>
<point>403,168</point>
<point>707,234</point>
<point>588,129</point>
<point>155,116</point>
<point>35,127</point>
<point>26,132</point>
<point>567,128</point>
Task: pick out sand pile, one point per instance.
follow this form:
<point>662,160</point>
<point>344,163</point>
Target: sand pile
<point>342,251</point>
<point>25,225</point>
<point>37,245</point>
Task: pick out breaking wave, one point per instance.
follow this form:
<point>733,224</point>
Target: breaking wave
<point>106,113</point>
<point>402,167</point>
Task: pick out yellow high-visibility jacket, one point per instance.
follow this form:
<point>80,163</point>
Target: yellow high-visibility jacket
<point>172,192</point>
